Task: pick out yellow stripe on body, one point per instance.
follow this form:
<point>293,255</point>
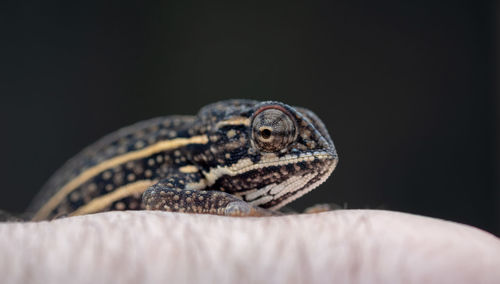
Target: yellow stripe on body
<point>100,203</point>
<point>166,145</point>
<point>239,120</point>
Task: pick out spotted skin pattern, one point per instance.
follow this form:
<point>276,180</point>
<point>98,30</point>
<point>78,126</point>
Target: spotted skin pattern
<point>235,158</point>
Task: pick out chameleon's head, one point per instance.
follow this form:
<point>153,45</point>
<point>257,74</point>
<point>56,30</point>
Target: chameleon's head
<point>268,153</point>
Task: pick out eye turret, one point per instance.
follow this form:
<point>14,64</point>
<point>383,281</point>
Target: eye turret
<point>273,128</point>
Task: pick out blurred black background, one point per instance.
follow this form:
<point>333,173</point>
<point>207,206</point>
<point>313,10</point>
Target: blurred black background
<point>406,88</point>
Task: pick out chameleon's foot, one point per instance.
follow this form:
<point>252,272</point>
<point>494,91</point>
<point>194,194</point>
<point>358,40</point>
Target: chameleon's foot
<point>161,197</point>
<point>242,209</point>
<point>322,207</point>
<point>8,217</point>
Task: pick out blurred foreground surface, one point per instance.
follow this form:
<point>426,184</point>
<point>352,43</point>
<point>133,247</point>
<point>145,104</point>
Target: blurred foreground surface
<point>344,246</point>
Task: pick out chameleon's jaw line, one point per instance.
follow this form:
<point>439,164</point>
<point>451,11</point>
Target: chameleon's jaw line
<point>296,175</point>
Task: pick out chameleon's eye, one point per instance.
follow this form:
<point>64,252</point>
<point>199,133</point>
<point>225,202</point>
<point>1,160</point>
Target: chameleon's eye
<point>273,129</point>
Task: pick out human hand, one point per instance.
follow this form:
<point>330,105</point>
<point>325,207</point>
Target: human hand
<point>343,246</point>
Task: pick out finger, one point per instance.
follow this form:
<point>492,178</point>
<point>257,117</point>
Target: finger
<point>343,246</point>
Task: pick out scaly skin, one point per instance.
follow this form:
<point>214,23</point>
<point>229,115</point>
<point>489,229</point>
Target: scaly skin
<point>235,158</point>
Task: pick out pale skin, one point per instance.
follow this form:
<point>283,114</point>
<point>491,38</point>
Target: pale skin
<point>343,246</point>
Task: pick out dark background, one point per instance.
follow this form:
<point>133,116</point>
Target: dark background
<point>407,89</point>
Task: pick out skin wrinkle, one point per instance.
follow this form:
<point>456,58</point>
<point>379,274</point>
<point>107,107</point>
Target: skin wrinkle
<point>153,247</point>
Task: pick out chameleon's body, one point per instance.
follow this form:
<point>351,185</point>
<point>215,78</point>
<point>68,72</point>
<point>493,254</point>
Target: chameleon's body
<point>235,158</point>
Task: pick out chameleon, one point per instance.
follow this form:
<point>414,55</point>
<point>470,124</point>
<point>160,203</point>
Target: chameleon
<point>234,158</point>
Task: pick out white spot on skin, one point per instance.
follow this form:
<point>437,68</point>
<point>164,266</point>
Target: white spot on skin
<point>130,177</point>
<point>231,133</point>
<point>74,196</point>
<point>120,206</point>
<point>159,159</point>
<point>92,187</point>
<point>106,175</point>
<point>139,144</point>
<point>151,162</point>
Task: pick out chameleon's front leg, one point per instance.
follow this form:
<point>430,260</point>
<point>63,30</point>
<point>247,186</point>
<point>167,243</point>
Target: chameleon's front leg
<point>178,193</point>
